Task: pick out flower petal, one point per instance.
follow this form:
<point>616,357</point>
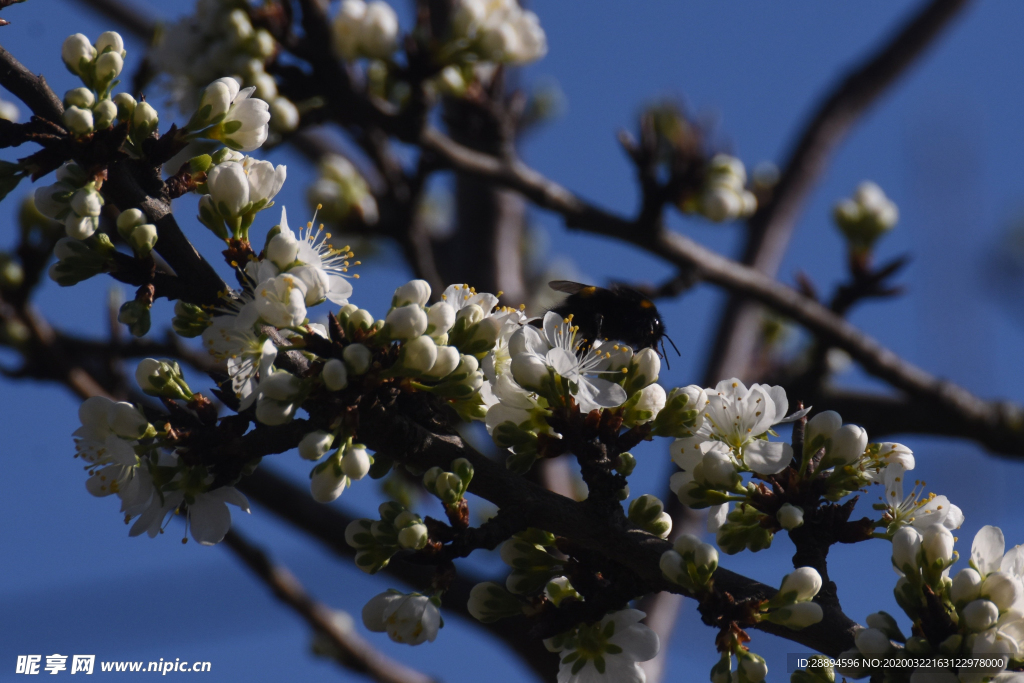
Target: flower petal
<point>767,457</point>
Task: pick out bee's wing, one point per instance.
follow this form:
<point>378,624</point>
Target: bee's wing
<point>568,287</point>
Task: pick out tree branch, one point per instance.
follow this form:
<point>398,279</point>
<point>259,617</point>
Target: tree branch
<point>30,89</point>
<point>772,226</point>
<point>350,650</point>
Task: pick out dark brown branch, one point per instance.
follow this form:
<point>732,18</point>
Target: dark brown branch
<point>30,89</point>
<point>349,649</point>
<point>771,227</point>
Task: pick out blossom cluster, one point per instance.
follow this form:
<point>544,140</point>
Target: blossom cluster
<point>865,217</point>
<point>723,195</point>
<point>341,192</point>
<point>220,40</point>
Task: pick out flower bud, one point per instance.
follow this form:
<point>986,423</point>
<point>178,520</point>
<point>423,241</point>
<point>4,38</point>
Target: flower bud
<point>142,239</point>
<point>108,67</point>
<point>800,585</point>
<point>705,556</point>
<point>886,624</point>
<point>104,113</point>
<point>790,516</point>
<point>407,322</point>
<point>356,463</point>
<point>686,543</point>
<point>848,444</point>
<point>134,314</point>
<point>440,318</point>
<point>937,542</point>
<point>315,445</point>
<point>284,115</point>
<point>357,358</point>
<point>125,106</point>
<point>413,537</point>
<point>360,319</point>
<point>145,120</point>
<point>87,202</point>
<point>529,371</point>
<point>110,41</point>
<point>751,668</point>
<point>327,483</point>
<point>871,641</point>
<point>798,615</point>
<point>75,50</point>
<point>448,359</point>
<point>966,586</point>
<point>83,98</point>
<point>823,426</point>
<point>980,615</point>
<point>412,292</point>
<point>906,546</point>
<point>418,355</point>
<point>379,37</point>
<point>283,249</point>
<point>162,379</point>
<point>281,386</point>
<point>78,120</point>
<point>335,375</point>
<point>272,412</point>
<point>126,421</point>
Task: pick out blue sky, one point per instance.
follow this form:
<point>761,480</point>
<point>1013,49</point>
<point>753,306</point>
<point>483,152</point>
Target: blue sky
<point>945,144</point>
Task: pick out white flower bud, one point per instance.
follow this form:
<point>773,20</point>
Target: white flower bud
<point>327,483</point>
<point>937,542</point>
<point>412,292</point>
<point>471,313</point>
<point>357,358</point>
<point>218,96</point>
<point>966,586</point>
<point>790,516</point>
<point>799,615</point>
<point>379,37</point>
<point>108,66</point>
<point>335,375</point>
<point>980,615</point>
<point>848,444</point>
<point>419,354</point>
<point>143,238</point>
<point>104,113</point>
<point>824,424</point>
<point>110,41</point>
<point>283,248</point>
<point>719,469</point>
<point>906,545</point>
<point>360,319</point>
<point>373,611</point>
<point>78,120</point>
<point>413,537</point>
<point>83,98</point>
<point>315,445</point>
<point>752,669</point>
<point>804,583</point>
<point>281,386</point>
<point>355,463</point>
<point>410,619</point>
<point>80,227</point>
<point>686,543</point>
<point>721,204</point>
<point>407,322</point>
<point>75,49</point>
<point>1003,589</point>
<point>284,115</point>
<point>87,202</point>
<point>448,359</point>
<point>705,556</point>
<point>648,364</point>
<point>145,120</point>
<point>652,399</point>
<point>871,641</point>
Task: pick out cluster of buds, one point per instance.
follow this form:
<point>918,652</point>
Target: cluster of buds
<point>648,513</point>
<point>724,196</point>
<point>328,479</point>
<point>140,235</point>
<point>450,487</point>
<point>99,64</point>
<point>865,217</point>
<point>364,29</point>
<point>229,113</point>
<point>237,187</point>
<point>532,563</point>
<point>220,39</point>
<point>376,542</point>
<point>342,193</point>
<point>162,379</point>
<point>74,200</point>
<point>691,563</point>
<point>496,31</point>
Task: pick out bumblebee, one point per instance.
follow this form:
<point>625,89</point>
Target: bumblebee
<point>619,313</point>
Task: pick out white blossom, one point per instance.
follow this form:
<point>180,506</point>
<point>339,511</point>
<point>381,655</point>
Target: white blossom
<point>411,619</point>
<point>609,650</point>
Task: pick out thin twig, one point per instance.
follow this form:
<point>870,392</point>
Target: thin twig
<point>349,649</point>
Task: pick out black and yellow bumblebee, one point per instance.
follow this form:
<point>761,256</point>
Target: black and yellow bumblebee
<point>620,313</point>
